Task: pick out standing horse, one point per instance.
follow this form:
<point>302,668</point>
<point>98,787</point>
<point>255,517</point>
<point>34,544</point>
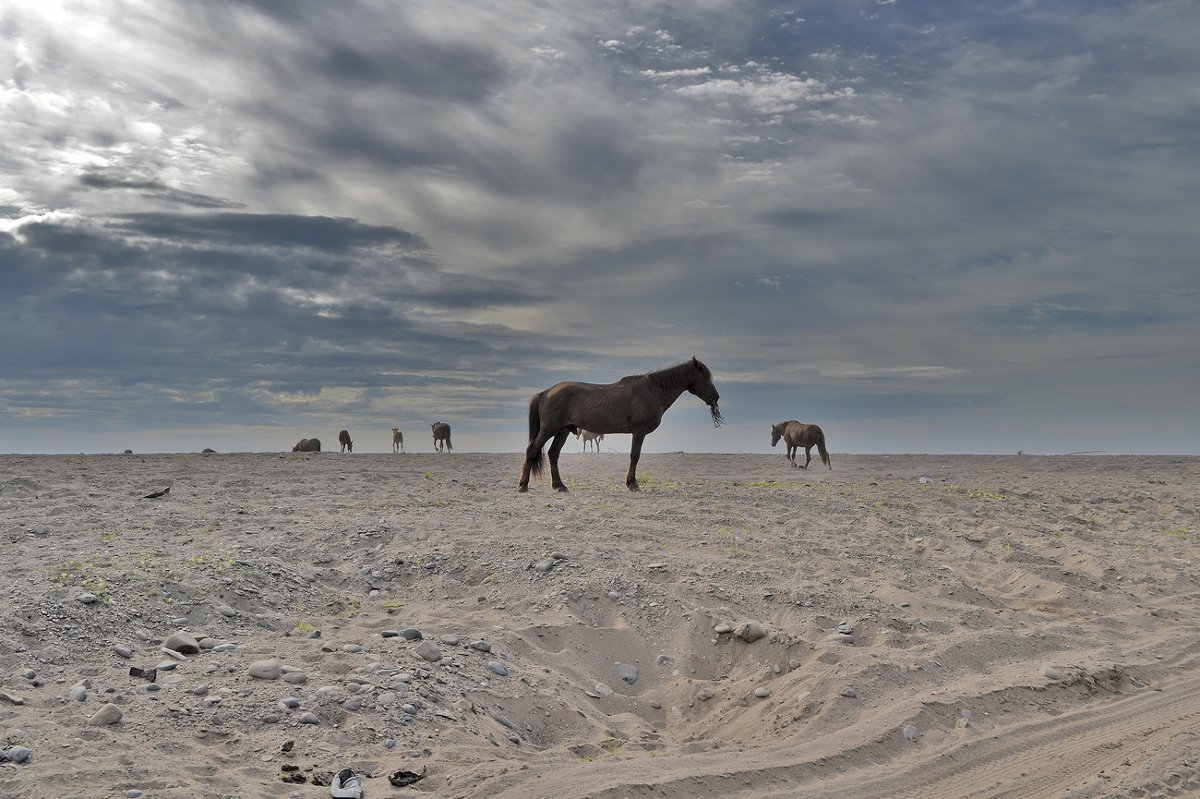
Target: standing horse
<point>344,440</point>
<point>397,440</point>
<point>441,433</point>
<point>588,435</point>
<point>633,404</point>
<point>797,434</point>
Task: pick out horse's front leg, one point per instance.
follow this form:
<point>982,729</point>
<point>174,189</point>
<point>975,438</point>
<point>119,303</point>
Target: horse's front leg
<point>807,457</point>
<point>555,480</point>
<point>791,456</point>
<point>635,453</point>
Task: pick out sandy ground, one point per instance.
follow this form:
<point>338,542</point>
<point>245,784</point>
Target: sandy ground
<point>931,626</point>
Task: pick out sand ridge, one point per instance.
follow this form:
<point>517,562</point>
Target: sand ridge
<point>1006,626</point>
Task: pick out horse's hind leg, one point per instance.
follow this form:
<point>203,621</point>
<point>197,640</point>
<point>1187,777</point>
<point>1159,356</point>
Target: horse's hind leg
<point>791,456</point>
<point>555,447</point>
<point>807,456</point>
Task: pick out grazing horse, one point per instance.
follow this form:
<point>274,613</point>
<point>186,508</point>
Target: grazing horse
<point>308,445</point>
<point>795,435</point>
<point>344,440</point>
<point>633,404</point>
<point>397,440</point>
<point>588,435</point>
<point>441,433</point>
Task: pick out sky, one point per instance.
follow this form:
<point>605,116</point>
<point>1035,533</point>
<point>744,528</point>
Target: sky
<point>935,227</point>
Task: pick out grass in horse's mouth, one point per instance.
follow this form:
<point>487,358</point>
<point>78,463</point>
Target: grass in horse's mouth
<point>718,420</point>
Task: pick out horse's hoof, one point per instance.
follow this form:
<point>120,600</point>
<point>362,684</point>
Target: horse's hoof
<point>632,486</point>
<point>561,488</point>
<point>522,489</point>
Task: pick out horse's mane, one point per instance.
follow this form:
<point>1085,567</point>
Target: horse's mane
<point>673,376</point>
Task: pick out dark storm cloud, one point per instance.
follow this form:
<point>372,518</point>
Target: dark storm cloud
<point>156,190</point>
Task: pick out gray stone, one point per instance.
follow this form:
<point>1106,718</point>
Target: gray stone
<point>109,714</point>
<point>77,693</point>
<point>290,702</point>
<point>480,646</point>
<point>751,631</point>
<point>498,668</point>
<point>762,692</point>
<point>628,673</point>
<point>427,650</point>
<point>226,611</point>
<point>308,717</point>
<point>269,669</point>
<point>18,754</point>
<point>123,651</point>
<point>183,643</point>
<point>545,566</point>
<point>296,677</point>
<point>88,598</point>
<point>411,634</point>
<point>389,633</point>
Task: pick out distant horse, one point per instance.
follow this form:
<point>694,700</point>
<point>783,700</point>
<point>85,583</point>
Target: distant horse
<point>308,445</point>
<point>589,436</point>
<point>397,440</point>
<point>441,433</point>
<point>795,435</point>
<point>344,440</point>
<point>633,404</point>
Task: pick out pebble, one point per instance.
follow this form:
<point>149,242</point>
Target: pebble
<point>845,629</point>
<point>296,677</point>
<point>498,668</point>
<point>87,598</point>
<point>449,639</point>
<point>386,699</point>
<point>226,611</point>
<point>133,793</point>
<point>411,634</point>
<point>603,689</point>
<point>614,595</point>
<point>265,669</point>
<point>762,692</point>
<point>224,648</point>
<point>18,754</point>
<point>427,650</point>
<point>352,648</point>
<point>849,693</point>
<point>628,673</point>
<point>271,718</point>
<point>389,743</point>
<point>480,646</point>
<point>166,665</point>
<point>182,643</point>
<point>409,709</point>
<point>109,714</point>
<point>910,732</point>
<point>12,699</point>
<point>545,566</point>
<point>751,631</point>
<point>723,628</point>
<point>353,704</point>
<point>1052,673</point>
<point>77,693</point>
<point>200,690</point>
<point>308,717</point>
<point>180,621</point>
<point>290,702</point>
<point>123,651</point>
<point>389,633</point>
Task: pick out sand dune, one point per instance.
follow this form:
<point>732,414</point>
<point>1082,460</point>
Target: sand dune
<point>1005,627</point>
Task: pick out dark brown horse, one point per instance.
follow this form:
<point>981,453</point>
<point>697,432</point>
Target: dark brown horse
<point>308,445</point>
<point>633,404</point>
<point>397,440</point>
<point>344,440</point>
<point>441,434</point>
<point>797,434</point>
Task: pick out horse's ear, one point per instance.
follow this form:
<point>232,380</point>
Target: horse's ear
<point>694,361</point>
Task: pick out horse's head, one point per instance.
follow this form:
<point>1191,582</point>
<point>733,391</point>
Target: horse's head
<point>702,386</point>
<point>777,432</point>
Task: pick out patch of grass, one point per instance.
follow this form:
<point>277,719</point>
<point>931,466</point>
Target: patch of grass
<point>611,745</point>
<point>304,626</point>
<point>344,608</point>
<point>1182,533</point>
<point>772,485</point>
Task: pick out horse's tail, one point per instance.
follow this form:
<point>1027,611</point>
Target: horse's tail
<point>824,453</point>
<point>536,460</point>
<point>449,446</point>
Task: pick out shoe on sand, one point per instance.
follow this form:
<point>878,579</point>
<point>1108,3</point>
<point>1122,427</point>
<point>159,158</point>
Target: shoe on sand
<point>346,785</point>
